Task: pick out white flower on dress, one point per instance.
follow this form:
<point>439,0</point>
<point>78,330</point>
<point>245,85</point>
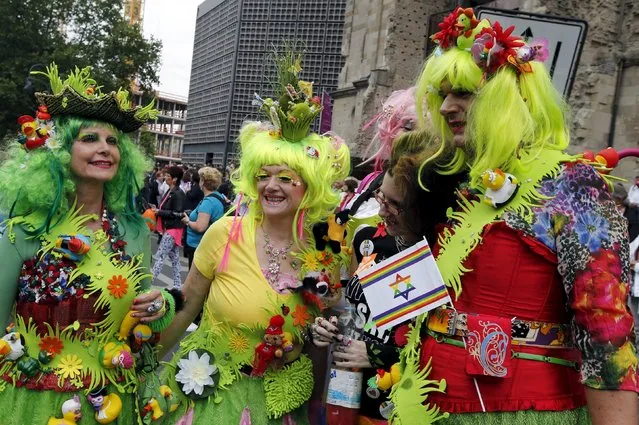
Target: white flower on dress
<point>195,373</point>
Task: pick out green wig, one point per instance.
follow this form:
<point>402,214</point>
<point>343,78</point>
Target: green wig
<point>260,147</point>
<point>511,113</point>
<point>40,181</point>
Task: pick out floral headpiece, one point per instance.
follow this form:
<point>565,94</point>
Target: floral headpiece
<point>79,95</point>
<point>295,108</point>
<point>492,46</point>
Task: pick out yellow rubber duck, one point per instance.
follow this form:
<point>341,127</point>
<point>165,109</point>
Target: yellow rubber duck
<point>167,393</point>
<point>107,406</point>
<point>116,354</point>
<point>500,187</point>
<point>71,413</point>
<point>385,380</point>
<point>154,407</point>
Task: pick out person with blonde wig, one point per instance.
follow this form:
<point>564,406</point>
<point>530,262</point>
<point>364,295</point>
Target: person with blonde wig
<point>535,254</point>
<point>252,269</point>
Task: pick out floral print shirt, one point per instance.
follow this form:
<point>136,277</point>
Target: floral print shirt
<point>580,223</point>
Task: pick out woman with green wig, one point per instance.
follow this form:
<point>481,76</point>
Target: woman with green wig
<point>259,275</point>
<point>534,255</point>
<point>75,259</point>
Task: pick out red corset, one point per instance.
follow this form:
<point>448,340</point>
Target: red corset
<point>61,314</point>
<point>513,275</point>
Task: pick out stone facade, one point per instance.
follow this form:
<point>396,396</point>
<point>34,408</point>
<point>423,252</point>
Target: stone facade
<point>384,45</point>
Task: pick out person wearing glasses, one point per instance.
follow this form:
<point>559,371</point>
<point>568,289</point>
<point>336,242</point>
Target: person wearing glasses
<point>409,215</point>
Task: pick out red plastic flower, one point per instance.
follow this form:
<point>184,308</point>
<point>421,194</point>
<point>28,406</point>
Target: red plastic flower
<point>51,345</point>
<point>118,286</point>
<point>301,315</point>
<point>449,31</point>
<point>600,299</point>
<point>502,46</point>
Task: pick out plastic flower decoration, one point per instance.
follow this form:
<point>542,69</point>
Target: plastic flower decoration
<point>51,345</point>
<point>238,343</point>
<point>70,367</point>
<point>118,287</point>
<point>448,31</point>
<point>301,316</point>
<point>500,47</point>
<point>294,108</point>
<point>196,373</point>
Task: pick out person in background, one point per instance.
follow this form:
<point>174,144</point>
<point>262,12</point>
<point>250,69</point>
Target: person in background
<point>169,225</point>
<point>208,211</point>
<point>194,195</point>
<point>627,209</point>
<point>185,184</point>
<point>163,186</point>
<point>227,188</point>
<point>633,194</point>
<point>348,192</point>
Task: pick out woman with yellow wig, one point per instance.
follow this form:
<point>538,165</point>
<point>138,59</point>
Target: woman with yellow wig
<point>259,277</point>
<point>535,253</point>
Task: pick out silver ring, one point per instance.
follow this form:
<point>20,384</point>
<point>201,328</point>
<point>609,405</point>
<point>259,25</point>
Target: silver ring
<point>155,306</point>
<point>318,320</point>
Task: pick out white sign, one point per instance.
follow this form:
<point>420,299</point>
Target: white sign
<point>565,37</point>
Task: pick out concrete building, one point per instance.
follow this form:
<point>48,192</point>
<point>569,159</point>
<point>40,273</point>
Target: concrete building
<point>233,39</point>
<point>168,127</point>
<point>385,43</point>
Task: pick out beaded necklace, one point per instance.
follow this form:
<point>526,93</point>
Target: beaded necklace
<point>275,258</point>
<point>110,227</point>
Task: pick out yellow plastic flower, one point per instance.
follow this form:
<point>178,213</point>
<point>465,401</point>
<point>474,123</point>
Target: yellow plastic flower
<point>69,367</point>
<point>306,88</point>
<point>296,68</point>
<point>238,343</point>
<point>310,261</point>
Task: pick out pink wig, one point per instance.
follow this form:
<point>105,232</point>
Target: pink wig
<point>398,115</point>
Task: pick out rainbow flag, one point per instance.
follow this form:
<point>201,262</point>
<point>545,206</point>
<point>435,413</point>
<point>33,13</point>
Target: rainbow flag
<point>403,286</point>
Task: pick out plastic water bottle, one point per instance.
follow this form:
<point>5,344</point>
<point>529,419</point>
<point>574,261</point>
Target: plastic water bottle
<point>345,385</point>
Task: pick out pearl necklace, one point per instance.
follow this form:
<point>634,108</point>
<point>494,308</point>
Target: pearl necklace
<point>275,258</point>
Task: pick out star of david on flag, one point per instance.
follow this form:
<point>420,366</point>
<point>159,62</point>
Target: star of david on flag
<point>403,286</point>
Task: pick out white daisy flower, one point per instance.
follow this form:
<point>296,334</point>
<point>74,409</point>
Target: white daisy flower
<point>52,143</point>
<point>195,373</point>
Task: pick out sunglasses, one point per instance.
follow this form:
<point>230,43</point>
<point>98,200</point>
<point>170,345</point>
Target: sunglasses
<point>390,205</point>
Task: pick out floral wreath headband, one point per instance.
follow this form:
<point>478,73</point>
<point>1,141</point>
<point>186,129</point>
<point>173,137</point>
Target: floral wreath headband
<point>491,46</point>
<point>78,95</point>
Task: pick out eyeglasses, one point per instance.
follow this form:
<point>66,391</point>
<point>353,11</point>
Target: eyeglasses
<point>390,205</point>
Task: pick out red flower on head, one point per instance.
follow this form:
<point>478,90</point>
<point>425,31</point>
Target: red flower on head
<point>502,46</point>
<point>449,31</point>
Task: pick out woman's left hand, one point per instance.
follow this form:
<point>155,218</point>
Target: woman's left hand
<point>353,355</point>
<point>149,306</point>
